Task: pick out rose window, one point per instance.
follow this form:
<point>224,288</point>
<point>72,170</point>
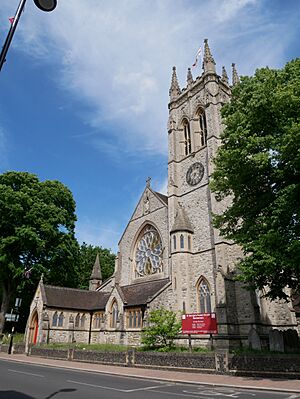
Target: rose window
<point>148,254</point>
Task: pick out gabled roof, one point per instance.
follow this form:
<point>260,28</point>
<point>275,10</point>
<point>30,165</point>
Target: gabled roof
<point>71,298</point>
<point>142,293</point>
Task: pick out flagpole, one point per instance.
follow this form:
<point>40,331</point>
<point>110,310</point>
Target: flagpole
<point>11,33</point>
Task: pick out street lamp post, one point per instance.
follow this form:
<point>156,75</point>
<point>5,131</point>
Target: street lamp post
<point>44,5</point>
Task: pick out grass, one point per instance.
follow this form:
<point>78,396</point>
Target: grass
<point>18,339</point>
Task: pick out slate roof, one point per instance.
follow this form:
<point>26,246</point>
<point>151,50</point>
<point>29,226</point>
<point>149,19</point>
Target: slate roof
<point>71,298</point>
<point>163,197</point>
<point>96,272</point>
<point>142,293</point>
<point>181,222</point>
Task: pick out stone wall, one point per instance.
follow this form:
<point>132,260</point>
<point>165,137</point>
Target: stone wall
<point>221,362</point>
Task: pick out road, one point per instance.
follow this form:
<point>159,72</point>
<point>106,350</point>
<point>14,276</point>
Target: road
<point>25,381</point>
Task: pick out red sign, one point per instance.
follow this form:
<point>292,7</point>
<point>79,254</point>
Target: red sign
<point>199,323</point>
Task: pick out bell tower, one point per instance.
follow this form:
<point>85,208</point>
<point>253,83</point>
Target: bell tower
<point>202,266</point>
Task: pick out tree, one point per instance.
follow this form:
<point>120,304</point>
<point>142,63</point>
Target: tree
<point>258,166</point>
<point>162,330</point>
<point>87,257</point>
<point>37,221</point>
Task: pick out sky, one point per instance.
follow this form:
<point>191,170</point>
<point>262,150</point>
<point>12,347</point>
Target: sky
<point>84,90</point>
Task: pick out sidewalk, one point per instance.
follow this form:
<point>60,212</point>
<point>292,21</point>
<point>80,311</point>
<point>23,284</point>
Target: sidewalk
<point>166,375</point>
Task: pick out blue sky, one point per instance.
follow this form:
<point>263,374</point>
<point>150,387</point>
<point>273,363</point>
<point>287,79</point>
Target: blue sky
<point>84,91</point>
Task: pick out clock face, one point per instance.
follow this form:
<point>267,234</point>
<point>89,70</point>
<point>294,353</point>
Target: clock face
<point>195,173</point>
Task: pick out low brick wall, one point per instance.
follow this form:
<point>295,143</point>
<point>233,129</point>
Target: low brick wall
<point>175,360</point>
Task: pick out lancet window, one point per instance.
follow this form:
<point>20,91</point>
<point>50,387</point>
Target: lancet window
<point>114,315</point>
<point>54,319</point>
<point>61,320</point>
<point>204,297</point>
<point>187,137</point>
<point>203,127</point>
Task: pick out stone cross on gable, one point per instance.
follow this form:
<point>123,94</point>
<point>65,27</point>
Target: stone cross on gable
<point>148,181</point>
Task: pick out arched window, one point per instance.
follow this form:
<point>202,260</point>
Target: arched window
<point>204,297</point>
<point>114,315</point>
<point>77,320</point>
<point>174,242</point>
<point>181,242</point>
<point>54,320</point>
<point>203,127</point>
<point>189,243</point>
<point>82,321</point>
<point>61,320</point>
<point>187,137</point>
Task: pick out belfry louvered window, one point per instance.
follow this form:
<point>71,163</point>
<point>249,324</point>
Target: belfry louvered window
<point>187,137</point>
<point>203,127</point>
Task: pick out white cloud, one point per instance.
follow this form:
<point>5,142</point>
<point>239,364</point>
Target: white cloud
<point>228,9</point>
<point>117,57</point>
<point>95,233</point>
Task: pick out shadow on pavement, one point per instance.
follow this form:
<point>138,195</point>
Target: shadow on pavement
<point>14,395</point>
<point>55,393</point>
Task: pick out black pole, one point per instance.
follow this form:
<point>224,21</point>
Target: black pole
<point>11,32</point>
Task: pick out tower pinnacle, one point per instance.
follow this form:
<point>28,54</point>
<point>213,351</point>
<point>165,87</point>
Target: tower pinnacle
<point>96,275</point>
<point>235,76</point>
<point>209,64</point>
<point>189,77</point>
<point>224,75</point>
<point>174,89</point>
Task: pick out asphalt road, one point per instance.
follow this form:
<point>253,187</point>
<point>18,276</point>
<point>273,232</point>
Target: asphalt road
<point>24,381</point>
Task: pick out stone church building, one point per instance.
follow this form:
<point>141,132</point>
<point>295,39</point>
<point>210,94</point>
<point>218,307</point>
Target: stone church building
<point>170,254</point>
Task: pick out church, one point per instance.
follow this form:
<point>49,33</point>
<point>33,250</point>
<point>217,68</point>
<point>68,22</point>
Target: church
<point>170,255</point>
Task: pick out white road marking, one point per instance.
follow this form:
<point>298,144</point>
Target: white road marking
<point>229,393</point>
<point>24,372</point>
<point>118,389</point>
<point>294,396</point>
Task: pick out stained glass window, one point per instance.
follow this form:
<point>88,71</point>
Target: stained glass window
<point>204,296</point>
<point>54,319</point>
<point>61,320</point>
<point>148,254</point>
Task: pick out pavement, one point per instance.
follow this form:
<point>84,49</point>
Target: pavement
<point>257,383</point>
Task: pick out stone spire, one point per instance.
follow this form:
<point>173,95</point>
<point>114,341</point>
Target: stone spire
<point>96,275</point>
<point>189,78</point>
<point>181,222</point>
<point>235,76</point>
<point>174,89</point>
<point>209,64</point>
<point>224,75</point>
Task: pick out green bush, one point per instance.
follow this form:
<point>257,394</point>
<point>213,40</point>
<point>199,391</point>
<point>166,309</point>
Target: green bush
<point>162,330</point>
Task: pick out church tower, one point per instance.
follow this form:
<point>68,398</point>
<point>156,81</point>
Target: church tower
<point>202,261</point>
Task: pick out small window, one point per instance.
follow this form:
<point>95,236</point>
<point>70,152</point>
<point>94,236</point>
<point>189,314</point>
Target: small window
<point>134,318</point>
<point>61,320</point>
<point>174,242</point>
<point>82,321</point>
<point>54,320</point>
<point>77,320</point>
<point>181,242</point>
<point>189,243</point>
